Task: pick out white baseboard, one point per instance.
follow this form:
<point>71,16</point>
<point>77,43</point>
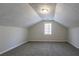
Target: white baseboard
<point>73,45</point>
<point>12,47</point>
<point>25,42</point>
<point>49,41</point>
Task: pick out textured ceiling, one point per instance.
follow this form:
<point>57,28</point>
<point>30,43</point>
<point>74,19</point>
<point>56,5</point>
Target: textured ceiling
<point>38,6</point>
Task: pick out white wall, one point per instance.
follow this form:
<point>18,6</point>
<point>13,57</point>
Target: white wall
<point>59,32</point>
<point>74,37</point>
<point>11,37</point>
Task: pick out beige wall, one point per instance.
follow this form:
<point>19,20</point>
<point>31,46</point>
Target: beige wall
<point>59,32</point>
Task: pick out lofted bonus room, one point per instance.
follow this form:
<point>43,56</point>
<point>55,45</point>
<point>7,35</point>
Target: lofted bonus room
<point>39,29</point>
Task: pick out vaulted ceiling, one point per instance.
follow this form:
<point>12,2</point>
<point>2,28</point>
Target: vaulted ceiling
<point>38,6</point>
<point>25,15</point>
<point>19,15</point>
<point>67,14</point>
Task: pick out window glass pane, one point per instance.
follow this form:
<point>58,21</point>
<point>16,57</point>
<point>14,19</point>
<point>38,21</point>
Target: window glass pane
<point>47,28</point>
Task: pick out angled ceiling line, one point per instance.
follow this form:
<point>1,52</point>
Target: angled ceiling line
<point>38,6</point>
<point>34,10</point>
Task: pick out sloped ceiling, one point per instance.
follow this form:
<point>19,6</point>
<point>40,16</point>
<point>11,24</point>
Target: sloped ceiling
<point>19,15</point>
<point>25,15</point>
<point>67,14</point>
<point>38,6</point>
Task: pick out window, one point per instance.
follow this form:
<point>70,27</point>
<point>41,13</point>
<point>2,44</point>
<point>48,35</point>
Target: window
<point>47,28</point>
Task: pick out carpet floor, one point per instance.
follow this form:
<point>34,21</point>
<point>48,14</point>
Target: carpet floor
<point>43,49</point>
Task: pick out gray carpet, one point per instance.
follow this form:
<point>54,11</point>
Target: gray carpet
<point>43,49</point>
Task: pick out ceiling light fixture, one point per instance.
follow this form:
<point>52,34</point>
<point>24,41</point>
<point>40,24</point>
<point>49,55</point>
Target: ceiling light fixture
<point>44,10</point>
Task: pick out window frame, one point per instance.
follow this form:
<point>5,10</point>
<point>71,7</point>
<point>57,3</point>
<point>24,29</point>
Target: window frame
<point>47,28</point>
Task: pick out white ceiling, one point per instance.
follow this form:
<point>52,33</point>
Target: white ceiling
<point>38,6</point>
<point>19,15</point>
<point>25,15</point>
<point>67,14</point>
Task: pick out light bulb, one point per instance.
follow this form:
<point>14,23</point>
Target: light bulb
<point>44,11</point>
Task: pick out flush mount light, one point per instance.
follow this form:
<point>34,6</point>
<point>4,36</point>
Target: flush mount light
<point>44,10</point>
